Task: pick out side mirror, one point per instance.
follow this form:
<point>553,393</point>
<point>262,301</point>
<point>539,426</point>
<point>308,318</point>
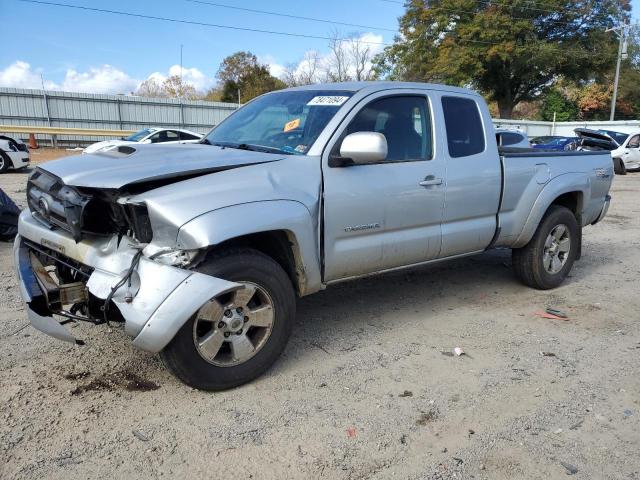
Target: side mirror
<point>148,140</point>
<point>364,147</point>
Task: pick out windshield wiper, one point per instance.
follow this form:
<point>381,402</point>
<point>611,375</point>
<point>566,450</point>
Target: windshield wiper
<point>247,146</point>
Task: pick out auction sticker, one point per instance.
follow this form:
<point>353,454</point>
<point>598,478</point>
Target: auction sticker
<point>328,100</point>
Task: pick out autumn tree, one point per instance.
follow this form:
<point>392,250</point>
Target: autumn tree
<point>510,50</point>
<point>242,75</point>
<point>150,88</point>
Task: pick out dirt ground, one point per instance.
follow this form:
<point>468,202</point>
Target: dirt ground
<point>367,387</point>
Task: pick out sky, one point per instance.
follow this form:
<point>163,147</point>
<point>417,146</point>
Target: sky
<point>77,50</point>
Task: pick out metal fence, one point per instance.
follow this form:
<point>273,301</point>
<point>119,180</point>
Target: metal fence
<point>117,112</point>
<point>42,108</point>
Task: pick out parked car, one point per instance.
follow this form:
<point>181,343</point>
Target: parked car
<point>624,148</point>
<point>14,153</point>
<point>554,143</point>
<point>9,213</point>
<point>148,135</point>
<point>512,138</point>
<point>201,251</point>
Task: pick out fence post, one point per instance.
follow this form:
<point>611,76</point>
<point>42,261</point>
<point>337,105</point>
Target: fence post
<point>119,113</point>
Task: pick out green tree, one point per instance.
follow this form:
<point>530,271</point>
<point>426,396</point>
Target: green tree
<point>510,50</point>
<point>556,103</point>
<point>241,72</point>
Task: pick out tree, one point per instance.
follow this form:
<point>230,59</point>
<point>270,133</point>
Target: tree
<point>150,88</point>
<point>241,72</point>
<point>349,59</point>
<point>556,103</point>
<point>174,87</point>
<point>509,50</point>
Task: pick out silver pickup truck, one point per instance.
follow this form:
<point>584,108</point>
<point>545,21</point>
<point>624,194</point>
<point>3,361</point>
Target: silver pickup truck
<point>200,250</point>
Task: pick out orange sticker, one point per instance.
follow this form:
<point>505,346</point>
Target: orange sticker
<point>292,125</point>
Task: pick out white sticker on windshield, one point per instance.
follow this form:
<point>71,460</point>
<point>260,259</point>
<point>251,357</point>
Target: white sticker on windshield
<point>328,100</point>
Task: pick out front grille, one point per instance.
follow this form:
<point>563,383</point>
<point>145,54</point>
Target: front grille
<point>72,209</point>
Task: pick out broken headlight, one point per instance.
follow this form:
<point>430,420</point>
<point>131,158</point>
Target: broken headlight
<point>139,222</point>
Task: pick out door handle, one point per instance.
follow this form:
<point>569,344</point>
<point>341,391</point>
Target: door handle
<point>430,181</point>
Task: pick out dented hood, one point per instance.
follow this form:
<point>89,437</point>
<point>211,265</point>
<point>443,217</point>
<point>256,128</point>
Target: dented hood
<point>131,165</point>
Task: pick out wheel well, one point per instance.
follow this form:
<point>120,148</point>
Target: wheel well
<point>572,201</point>
<point>277,244</point>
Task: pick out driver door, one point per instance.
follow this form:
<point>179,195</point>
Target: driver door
<point>385,215</point>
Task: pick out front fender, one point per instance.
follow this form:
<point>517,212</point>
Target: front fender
<point>227,223</point>
<point>567,183</point>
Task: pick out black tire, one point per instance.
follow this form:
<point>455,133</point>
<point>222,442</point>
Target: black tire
<point>528,260</point>
<point>618,167</point>
<point>181,355</point>
<point>5,162</point>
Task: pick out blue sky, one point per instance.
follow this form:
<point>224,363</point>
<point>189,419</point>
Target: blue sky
<point>90,51</point>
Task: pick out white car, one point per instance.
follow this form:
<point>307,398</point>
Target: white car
<point>629,152</point>
<point>148,135</point>
<point>512,138</point>
<point>14,153</point>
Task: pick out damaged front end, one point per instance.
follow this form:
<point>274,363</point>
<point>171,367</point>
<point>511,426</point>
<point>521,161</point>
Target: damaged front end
<point>85,254</point>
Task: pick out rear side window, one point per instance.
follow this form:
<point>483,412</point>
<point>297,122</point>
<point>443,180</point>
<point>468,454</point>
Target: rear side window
<point>465,135</point>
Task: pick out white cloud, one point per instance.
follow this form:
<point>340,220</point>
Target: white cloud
<point>192,76</point>
<point>276,69</point>
<point>20,75</point>
<point>104,79</point>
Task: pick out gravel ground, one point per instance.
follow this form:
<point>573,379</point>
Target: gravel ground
<point>367,387</point>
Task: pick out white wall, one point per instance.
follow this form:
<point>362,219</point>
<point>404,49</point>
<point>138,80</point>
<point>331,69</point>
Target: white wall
<point>535,128</point>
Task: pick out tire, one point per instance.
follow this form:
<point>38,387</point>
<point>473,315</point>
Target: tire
<point>5,162</point>
<point>183,356</point>
<point>531,262</point>
<point>619,167</point>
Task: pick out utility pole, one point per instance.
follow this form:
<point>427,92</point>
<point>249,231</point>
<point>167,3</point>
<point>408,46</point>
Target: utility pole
<point>621,32</point>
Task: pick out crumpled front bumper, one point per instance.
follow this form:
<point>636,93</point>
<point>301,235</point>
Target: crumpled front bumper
<point>159,301</point>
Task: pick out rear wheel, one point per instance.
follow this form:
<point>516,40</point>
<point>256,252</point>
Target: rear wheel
<point>236,337</point>
<point>548,258</point>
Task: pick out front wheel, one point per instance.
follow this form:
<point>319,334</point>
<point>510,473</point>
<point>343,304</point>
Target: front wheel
<point>619,167</point>
<point>547,259</point>
<point>236,337</point>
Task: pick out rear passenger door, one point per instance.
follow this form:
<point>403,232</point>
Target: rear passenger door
<point>384,215</point>
<point>474,177</point>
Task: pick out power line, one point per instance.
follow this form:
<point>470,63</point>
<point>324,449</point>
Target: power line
<point>193,22</point>
<point>497,4</point>
<point>286,15</point>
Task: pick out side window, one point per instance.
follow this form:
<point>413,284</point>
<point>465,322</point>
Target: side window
<point>188,136</point>
<point>634,142</point>
<point>404,121</point>
<point>465,135</point>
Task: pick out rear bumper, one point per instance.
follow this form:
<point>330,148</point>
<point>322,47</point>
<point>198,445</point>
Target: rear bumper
<point>155,305</point>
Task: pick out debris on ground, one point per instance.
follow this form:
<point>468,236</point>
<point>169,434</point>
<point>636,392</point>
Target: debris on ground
<point>547,354</point>
<point>458,351</point>
<point>426,417</point>
<point>577,425</point>
<point>550,316</point>
<point>556,312</point>
<point>627,413</point>
<point>406,393</point>
<point>140,436</point>
<point>352,432</point>
<point>571,470</point>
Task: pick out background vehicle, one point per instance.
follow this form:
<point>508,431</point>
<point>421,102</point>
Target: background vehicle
<point>512,138</point>
<point>14,153</point>
<point>624,148</point>
<point>201,250</point>
<point>148,135</point>
<point>555,143</point>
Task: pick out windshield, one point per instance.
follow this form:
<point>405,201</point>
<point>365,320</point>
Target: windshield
<point>283,122</point>
<point>136,137</point>
<point>617,136</point>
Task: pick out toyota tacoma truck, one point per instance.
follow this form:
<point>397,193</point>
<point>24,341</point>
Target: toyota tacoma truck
<point>201,250</point>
